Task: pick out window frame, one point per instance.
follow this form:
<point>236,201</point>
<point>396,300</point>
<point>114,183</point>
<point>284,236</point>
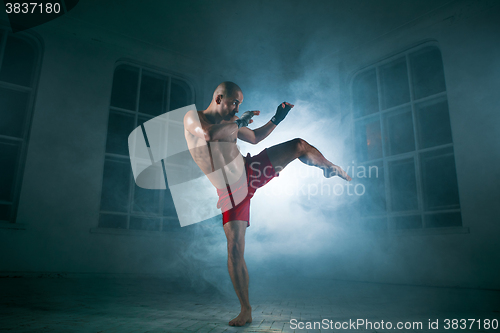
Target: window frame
<point>389,214</point>
<point>36,42</point>
<point>158,71</point>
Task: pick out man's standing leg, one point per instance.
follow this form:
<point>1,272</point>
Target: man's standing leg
<point>235,234</point>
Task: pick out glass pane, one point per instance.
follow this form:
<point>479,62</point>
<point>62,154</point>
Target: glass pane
<point>427,72</point>
<point>153,94</point>
<point>368,139</point>
<point>433,121</point>
<point>13,109</point>
<point>171,225</point>
<point>119,128</point>
<point>144,223</point>
<point>115,186</point>
<point>443,220</point>
<point>9,156</point>
<point>180,94</point>
<point>407,222</point>
<point>5,212</point>
<point>373,199</point>
<point>124,93</point>
<point>399,136</point>
<point>146,201</point>
<point>140,121</point>
<point>364,94</point>
<point>394,83</point>
<point>439,178</point>
<point>377,223</point>
<point>168,205</point>
<point>112,221</point>
<point>18,62</point>
<point>403,185</point>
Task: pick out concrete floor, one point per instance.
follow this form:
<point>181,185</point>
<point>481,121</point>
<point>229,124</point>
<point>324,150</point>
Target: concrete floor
<point>153,305</point>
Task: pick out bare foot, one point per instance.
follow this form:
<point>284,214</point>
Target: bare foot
<point>243,318</point>
<point>335,170</point>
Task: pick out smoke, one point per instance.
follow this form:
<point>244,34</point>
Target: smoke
<point>288,210</point>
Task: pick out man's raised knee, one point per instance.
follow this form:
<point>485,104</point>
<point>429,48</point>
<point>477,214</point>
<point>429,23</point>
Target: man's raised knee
<point>300,145</point>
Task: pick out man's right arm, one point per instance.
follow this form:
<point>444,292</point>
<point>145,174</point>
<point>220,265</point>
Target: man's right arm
<point>204,130</point>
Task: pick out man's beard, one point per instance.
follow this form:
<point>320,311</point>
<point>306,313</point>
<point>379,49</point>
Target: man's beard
<point>230,115</point>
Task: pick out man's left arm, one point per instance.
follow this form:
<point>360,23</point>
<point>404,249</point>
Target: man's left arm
<point>257,135</point>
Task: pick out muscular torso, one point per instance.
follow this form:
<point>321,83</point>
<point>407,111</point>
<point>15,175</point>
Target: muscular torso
<point>214,156</point>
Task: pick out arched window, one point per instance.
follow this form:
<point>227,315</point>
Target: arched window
<point>402,130</point>
<point>138,95</point>
<point>19,67</point>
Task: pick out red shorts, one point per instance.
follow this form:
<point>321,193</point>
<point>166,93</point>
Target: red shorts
<point>259,171</point>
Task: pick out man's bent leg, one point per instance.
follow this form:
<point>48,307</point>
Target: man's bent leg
<point>282,154</point>
<point>235,234</point>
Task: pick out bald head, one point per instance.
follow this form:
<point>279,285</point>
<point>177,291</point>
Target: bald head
<point>227,89</point>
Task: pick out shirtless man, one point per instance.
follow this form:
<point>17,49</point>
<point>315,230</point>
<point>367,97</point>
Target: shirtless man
<point>211,137</point>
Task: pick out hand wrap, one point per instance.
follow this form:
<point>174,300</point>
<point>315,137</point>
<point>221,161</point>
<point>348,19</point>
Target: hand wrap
<point>244,119</point>
<point>281,113</point>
